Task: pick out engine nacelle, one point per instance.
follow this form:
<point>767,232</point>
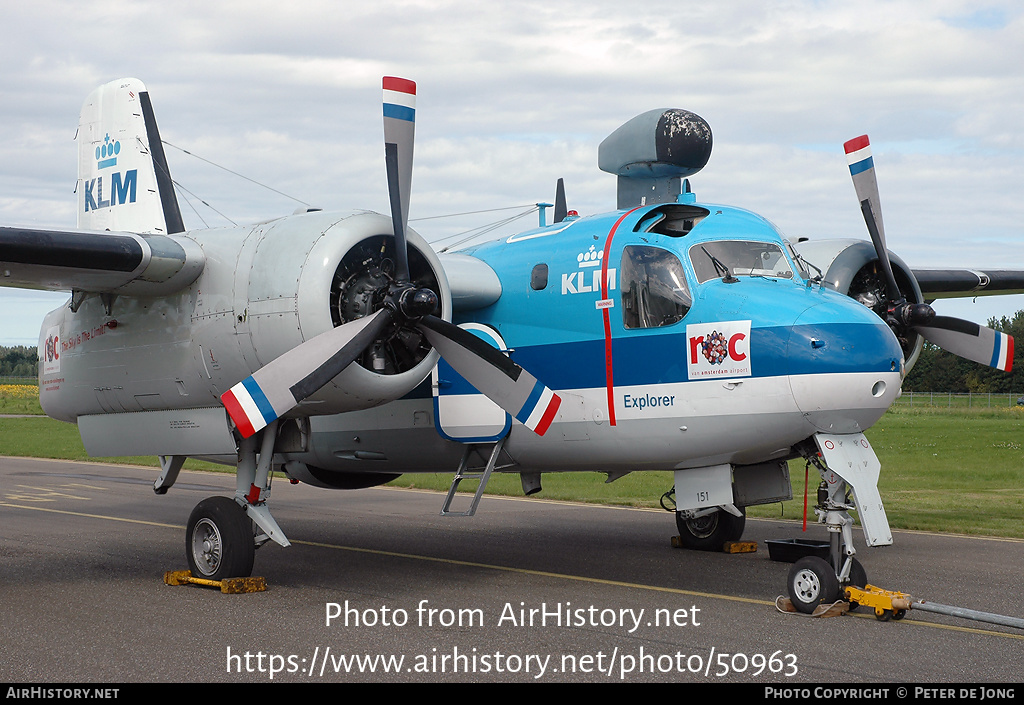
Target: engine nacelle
<point>295,278</point>
<point>851,267</point>
<point>264,290</point>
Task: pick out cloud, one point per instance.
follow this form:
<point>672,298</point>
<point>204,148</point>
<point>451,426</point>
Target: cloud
<point>514,95</point>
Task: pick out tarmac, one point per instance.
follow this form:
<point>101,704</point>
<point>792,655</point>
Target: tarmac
<point>378,587</point>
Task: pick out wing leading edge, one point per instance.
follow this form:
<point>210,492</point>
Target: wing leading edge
<point>952,283</point>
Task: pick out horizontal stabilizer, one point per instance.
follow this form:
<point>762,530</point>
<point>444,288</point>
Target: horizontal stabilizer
<point>101,262</point>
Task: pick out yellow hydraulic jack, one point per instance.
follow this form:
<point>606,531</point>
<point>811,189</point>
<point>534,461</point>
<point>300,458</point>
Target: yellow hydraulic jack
<point>228,586</point>
<point>889,604</point>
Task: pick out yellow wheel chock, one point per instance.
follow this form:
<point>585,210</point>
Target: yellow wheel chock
<point>228,586</point>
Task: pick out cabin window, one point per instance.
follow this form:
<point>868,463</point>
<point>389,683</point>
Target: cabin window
<point>654,290</point>
<point>739,258</point>
<point>539,277</point>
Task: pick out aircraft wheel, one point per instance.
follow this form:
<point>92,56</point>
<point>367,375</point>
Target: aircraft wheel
<point>219,540</point>
<point>709,532</point>
<point>812,582</point>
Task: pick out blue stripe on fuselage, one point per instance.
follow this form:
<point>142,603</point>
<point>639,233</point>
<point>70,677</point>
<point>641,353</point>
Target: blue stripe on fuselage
<point>661,357</point>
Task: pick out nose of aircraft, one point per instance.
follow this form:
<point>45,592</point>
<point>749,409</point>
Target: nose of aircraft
<point>846,366</point>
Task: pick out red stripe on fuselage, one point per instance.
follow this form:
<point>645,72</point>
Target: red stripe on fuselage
<point>609,381</point>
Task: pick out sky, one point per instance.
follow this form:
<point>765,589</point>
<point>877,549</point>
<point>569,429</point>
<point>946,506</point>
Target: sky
<point>514,95</point>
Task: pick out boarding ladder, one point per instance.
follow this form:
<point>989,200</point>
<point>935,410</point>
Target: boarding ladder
<point>465,472</point>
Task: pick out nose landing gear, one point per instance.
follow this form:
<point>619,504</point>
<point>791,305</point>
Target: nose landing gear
<point>812,580</point>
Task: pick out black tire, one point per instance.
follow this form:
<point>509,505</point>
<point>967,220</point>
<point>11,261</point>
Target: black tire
<point>858,578</point>
<point>709,532</point>
<point>812,582</point>
<point>219,540</point>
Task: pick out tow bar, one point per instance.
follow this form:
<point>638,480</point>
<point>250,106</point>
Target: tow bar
<point>890,604</point>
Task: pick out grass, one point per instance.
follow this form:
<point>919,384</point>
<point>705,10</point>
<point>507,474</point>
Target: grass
<point>42,437</point>
<point>953,470</point>
<point>19,399</point>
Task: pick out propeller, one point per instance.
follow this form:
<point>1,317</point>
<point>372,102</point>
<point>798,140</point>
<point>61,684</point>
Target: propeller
<point>963,338</point>
<point>285,382</point>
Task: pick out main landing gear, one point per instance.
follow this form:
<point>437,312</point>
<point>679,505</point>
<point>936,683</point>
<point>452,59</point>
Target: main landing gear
<point>223,533</point>
<point>708,530</point>
<point>219,540</point>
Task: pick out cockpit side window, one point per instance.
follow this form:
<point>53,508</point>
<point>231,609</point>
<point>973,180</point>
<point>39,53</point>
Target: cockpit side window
<point>654,289</point>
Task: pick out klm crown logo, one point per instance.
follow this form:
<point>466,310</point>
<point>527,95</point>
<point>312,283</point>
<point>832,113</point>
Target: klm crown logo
<point>106,153</point>
<point>590,258</point>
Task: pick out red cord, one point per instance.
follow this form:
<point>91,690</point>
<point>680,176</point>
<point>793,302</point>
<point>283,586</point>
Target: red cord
<point>807,469</point>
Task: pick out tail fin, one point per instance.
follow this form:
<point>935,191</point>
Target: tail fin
<point>123,180</point>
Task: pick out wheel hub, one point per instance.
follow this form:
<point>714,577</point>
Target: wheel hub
<point>207,546</point>
<point>807,586</point>
<point>704,526</point>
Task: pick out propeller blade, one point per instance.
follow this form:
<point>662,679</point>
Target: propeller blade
<point>399,137</point>
<point>970,341</point>
<point>504,382</point>
<point>862,169</point>
<point>276,388</point>
<point>561,210</point>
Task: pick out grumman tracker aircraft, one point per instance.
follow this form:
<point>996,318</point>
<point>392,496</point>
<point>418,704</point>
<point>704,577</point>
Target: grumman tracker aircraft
<point>340,349</point>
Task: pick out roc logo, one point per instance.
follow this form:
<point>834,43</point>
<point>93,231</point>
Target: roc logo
<point>715,348</point>
<point>578,282</point>
<point>50,352</point>
<point>718,350</point>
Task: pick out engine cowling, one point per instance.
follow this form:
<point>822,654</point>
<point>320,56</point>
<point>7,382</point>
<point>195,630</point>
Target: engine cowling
<point>297,277</point>
<point>851,267</point>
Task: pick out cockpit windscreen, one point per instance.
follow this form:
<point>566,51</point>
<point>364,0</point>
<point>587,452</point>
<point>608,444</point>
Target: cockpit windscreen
<point>739,258</point>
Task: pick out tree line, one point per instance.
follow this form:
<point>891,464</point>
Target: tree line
<point>18,361</point>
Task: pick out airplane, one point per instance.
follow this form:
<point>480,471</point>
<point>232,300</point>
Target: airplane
<point>341,350</point>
